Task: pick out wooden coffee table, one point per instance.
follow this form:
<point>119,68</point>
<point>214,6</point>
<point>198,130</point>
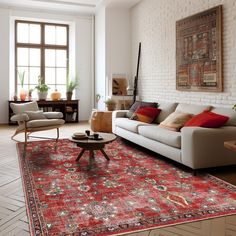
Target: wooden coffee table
<point>91,145</point>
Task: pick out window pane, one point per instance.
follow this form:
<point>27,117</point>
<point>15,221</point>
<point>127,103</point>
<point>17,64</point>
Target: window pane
<point>50,33</point>
<point>50,76</point>
<point>34,57</point>
<point>22,33</point>
<point>35,33</point>
<point>61,36</point>
<point>26,77</point>
<point>61,58</point>
<point>62,90</point>
<point>22,57</point>
<point>50,60</point>
<point>34,73</point>
<point>61,75</point>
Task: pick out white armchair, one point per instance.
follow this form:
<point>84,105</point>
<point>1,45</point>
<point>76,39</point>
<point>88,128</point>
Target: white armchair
<point>30,119</point>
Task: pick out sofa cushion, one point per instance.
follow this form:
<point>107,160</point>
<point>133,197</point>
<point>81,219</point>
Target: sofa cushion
<point>226,112</point>
<point>145,114</point>
<point>166,109</point>
<point>207,119</point>
<point>131,125</point>
<point>138,104</point>
<point>192,108</point>
<point>161,135</point>
<point>176,120</point>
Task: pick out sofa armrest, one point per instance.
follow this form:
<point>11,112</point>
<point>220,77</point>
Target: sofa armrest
<point>117,114</point>
<point>20,117</point>
<point>53,115</point>
<point>204,147</point>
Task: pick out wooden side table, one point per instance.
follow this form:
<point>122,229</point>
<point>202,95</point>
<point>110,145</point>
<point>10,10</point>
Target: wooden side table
<point>101,121</point>
<point>231,145</point>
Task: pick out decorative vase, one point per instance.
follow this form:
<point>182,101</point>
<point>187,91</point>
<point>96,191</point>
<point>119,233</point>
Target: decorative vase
<point>69,95</point>
<point>23,95</point>
<point>55,95</point>
<point>42,95</point>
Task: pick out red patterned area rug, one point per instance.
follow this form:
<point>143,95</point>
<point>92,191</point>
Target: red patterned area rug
<point>131,192</point>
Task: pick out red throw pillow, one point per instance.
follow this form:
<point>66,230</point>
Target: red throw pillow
<point>146,114</point>
<point>207,119</point>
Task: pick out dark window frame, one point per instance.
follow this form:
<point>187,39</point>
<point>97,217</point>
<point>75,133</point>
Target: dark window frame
<point>42,46</point>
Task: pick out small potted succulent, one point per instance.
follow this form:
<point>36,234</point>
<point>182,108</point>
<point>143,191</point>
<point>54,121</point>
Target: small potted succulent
<point>42,89</point>
<point>110,104</point>
<point>71,84</point>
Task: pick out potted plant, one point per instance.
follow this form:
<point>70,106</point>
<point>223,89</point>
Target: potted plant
<point>234,107</point>
<point>110,104</point>
<point>71,84</point>
<point>23,93</point>
<point>30,94</point>
<point>42,89</point>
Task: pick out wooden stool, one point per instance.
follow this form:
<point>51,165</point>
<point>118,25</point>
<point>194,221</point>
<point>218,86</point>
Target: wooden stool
<point>101,121</point>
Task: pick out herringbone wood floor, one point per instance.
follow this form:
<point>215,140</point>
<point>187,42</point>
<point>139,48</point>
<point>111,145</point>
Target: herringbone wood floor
<point>13,218</point>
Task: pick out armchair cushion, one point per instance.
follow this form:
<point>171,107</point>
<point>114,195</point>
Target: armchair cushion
<point>20,117</point>
<point>21,108</point>
<point>44,122</point>
<point>35,115</point>
<point>53,115</point>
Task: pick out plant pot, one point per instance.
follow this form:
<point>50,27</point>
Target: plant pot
<point>111,107</point>
<point>69,95</point>
<point>23,95</point>
<point>42,95</point>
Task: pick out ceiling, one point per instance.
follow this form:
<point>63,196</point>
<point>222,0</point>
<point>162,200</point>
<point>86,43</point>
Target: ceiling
<point>75,6</point>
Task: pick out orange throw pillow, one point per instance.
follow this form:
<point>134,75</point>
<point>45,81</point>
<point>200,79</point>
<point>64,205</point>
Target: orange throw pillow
<point>146,114</point>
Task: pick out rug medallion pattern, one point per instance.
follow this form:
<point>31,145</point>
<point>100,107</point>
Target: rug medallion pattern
<point>133,191</point>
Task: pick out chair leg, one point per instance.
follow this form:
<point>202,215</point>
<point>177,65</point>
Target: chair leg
<point>55,147</point>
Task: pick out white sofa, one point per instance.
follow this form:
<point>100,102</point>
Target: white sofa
<point>195,147</point>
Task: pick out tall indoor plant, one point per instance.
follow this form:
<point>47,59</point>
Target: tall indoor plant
<point>42,89</point>
<point>71,84</point>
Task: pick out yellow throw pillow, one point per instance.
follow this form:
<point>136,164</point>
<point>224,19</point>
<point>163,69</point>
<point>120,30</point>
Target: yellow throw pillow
<point>175,121</point>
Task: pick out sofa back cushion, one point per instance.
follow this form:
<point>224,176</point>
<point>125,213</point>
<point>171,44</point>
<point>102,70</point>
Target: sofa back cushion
<point>138,104</point>
<point>192,108</point>
<point>166,109</point>
<point>226,112</point>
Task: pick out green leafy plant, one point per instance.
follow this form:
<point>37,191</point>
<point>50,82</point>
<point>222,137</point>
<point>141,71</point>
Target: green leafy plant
<point>21,76</point>
<point>234,107</point>
<point>41,87</point>
<point>71,84</point>
<point>30,91</point>
<point>110,101</point>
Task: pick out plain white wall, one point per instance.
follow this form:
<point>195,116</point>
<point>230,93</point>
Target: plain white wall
<point>81,50</point>
<point>118,42</point>
<point>4,64</point>
<point>112,47</point>
<point>100,60</point>
<point>153,23</point>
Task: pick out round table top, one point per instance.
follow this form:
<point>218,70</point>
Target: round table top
<point>106,138</point>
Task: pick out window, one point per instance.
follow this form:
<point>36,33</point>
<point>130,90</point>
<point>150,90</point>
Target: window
<point>42,49</point>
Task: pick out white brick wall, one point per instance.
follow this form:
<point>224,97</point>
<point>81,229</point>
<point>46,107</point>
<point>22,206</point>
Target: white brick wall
<point>153,24</point>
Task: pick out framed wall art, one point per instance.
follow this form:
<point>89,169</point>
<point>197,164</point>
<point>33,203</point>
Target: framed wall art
<point>199,52</point>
